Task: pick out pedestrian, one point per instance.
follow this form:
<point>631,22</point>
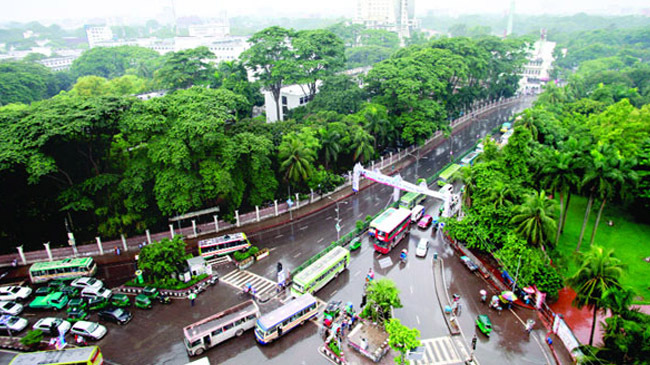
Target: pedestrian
<point>191,297</point>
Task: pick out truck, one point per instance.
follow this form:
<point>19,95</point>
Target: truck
<point>54,301</point>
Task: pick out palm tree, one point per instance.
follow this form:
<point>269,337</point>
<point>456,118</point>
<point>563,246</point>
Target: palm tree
<point>376,122</point>
<point>362,145</point>
<point>600,271</point>
<point>535,218</point>
<point>467,176</point>
<point>527,121</point>
<point>577,149</point>
<point>296,159</point>
<point>501,194</point>
<point>330,141</point>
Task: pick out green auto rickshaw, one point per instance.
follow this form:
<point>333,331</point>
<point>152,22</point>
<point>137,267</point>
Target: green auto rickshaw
<point>97,303</point>
<point>76,314</point>
<point>154,294</point>
<point>143,301</point>
<point>120,300</point>
<point>76,303</point>
<point>355,243</point>
<point>484,325</point>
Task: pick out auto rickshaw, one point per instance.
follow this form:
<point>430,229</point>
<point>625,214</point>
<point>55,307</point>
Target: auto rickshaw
<point>153,293</point>
<point>95,304</point>
<point>76,314</point>
<point>484,325</point>
<point>76,303</point>
<point>143,301</point>
<point>120,300</point>
<point>355,243</point>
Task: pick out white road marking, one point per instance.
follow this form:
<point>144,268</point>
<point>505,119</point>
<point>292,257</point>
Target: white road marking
<point>377,203</point>
<point>320,240</point>
<point>411,287</point>
<point>296,255</point>
<point>303,228</point>
<point>360,215</point>
<point>357,273</point>
<point>279,236</point>
<point>417,318</point>
<point>334,292</point>
<point>328,218</point>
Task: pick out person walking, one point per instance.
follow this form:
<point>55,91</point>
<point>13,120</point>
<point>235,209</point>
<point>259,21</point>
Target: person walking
<point>191,297</point>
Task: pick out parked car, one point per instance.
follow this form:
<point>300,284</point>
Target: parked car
<point>117,315</point>
<point>97,303</point>
<point>96,293</point>
<point>153,293</point>
<point>416,213</point>
<point>56,285</point>
<point>13,324</point>
<point>425,222</point>
<point>9,307</point>
<point>143,301</point>
<point>89,329</point>
<point>76,315</point>
<point>422,248</point>
<point>14,292</point>
<point>469,263</point>
<point>77,303</point>
<point>355,243</point>
<point>52,326</point>
<point>120,300</point>
<point>54,301</point>
<point>70,291</point>
<point>83,283</point>
<point>44,290</point>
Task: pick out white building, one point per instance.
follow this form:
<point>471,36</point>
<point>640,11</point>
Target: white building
<point>392,15</point>
<point>536,72</point>
<point>291,97</point>
<point>97,34</point>
<point>220,29</point>
<point>58,63</point>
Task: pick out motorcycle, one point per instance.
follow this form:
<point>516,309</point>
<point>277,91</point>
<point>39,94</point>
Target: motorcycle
<point>213,280</point>
<point>403,256</point>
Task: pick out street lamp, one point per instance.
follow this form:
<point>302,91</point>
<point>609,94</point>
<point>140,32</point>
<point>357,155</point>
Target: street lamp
<point>338,220</point>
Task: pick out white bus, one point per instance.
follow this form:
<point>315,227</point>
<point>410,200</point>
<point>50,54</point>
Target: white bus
<point>284,319</point>
<point>223,245</point>
<point>321,272</point>
<point>219,327</point>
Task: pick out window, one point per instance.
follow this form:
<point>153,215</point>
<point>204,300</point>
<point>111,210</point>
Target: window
<point>284,100</point>
<point>218,331</point>
<point>228,326</point>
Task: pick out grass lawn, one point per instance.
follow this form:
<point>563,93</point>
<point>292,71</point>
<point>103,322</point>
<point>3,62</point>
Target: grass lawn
<point>629,239</point>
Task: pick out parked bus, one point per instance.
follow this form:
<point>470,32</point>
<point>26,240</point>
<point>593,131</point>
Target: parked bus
<point>411,199</point>
<point>282,320</point>
<point>321,272</point>
<point>469,158</point>
<point>447,173</point>
<point>389,231</point>
<point>213,330</point>
<point>90,355</point>
<point>62,269</point>
<point>223,245</point>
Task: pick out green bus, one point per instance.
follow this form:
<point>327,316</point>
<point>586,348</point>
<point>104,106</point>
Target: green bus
<point>321,272</point>
<point>62,269</point>
<point>447,173</point>
<point>90,355</point>
<point>411,199</point>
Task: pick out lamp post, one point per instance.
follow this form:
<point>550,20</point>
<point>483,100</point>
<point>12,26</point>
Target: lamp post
<point>338,220</point>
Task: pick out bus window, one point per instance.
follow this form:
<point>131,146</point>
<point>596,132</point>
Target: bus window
<point>218,331</point>
<point>228,326</point>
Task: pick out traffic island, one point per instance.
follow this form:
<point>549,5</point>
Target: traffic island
<point>370,339</point>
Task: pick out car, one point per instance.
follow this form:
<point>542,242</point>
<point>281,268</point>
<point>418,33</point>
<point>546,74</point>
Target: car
<point>120,300</point>
<point>97,303</point>
<point>117,315</point>
<point>469,263</point>
<point>143,301</point>
<point>416,213</point>
<point>44,290</point>
<point>54,301</point>
<point>83,283</point>
<point>89,329</point>
<point>96,293</point>
<point>14,292</point>
<point>52,326</point>
<point>9,307</point>
<point>422,248</point>
<point>70,291</point>
<point>12,324</point>
<point>425,222</point>
<point>77,303</point>
<point>484,325</point>
<point>355,243</point>
<point>76,314</point>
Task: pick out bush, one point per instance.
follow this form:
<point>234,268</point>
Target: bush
<point>32,339</point>
<point>361,226</point>
<point>241,256</point>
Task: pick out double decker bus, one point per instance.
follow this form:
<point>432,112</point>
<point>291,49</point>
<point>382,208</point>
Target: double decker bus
<point>411,199</point>
<point>389,228</point>
<point>321,272</point>
<point>90,355</point>
<point>223,245</point>
<point>280,321</point>
<point>215,329</point>
<point>64,269</point>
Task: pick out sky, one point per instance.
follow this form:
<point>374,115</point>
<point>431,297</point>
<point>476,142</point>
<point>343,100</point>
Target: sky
<point>30,10</point>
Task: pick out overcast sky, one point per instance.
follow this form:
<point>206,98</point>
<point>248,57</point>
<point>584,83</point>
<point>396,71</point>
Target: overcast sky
<point>28,10</point>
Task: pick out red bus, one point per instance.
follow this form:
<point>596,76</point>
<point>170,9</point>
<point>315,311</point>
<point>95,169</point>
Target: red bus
<point>389,228</point>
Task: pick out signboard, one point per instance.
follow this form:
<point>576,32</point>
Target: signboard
<point>394,181</point>
<point>562,330</point>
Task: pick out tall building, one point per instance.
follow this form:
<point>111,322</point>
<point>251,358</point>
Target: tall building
<point>536,72</point>
<point>392,15</point>
<point>97,34</point>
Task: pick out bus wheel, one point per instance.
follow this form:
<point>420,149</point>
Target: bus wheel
<point>199,352</point>
<point>239,332</point>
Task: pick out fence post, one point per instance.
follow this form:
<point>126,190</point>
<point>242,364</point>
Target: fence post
<point>216,223</point>
<point>237,217</point>
<point>297,201</point>
<point>194,226</point>
<point>126,248</point>
<point>311,196</point>
<point>148,237</point>
<point>275,203</point>
<point>171,230</point>
<point>47,249</point>
<point>257,212</point>
<point>21,254</point>
<point>382,162</point>
<point>99,245</point>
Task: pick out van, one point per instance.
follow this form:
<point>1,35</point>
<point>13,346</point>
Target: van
<point>417,213</point>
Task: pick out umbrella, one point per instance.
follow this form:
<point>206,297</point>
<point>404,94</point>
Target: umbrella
<point>509,296</point>
<point>529,290</point>
<point>483,292</point>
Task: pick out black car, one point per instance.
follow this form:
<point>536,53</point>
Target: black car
<point>117,315</point>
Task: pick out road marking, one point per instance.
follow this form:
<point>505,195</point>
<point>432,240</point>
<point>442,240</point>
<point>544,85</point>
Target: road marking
<point>328,218</point>
<point>411,287</point>
<point>303,228</point>
<point>279,236</point>
<point>320,240</point>
<point>360,215</point>
<point>296,255</point>
<point>357,273</point>
<point>334,292</point>
<point>417,318</point>
<point>377,203</point>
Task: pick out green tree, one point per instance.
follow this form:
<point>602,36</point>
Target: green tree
<point>599,271</point>
<point>32,339</point>
<point>330,140</point>
<point>402,339</point>
<point>90,86</point>
<point>376,122</point>
<point>25,82</point>
<point>362,144</point>
<point>319,53</point>
<point>467,176</point>
<point>535,218</point>
<point>296,158</point>
<point>382,295</point>
<point>111,62</point>
<point>183,69</point>
<point>338,93</point>
<point>159,261</point>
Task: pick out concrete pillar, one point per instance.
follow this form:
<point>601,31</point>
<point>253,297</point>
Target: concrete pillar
<point>99,245</point>
<point>171,230</point>
<point>297,201</point>
<point>216,223</point>
<point>21,254</point>
<point>257,213</point>
<point>194,226</point>
<point>382,162</point>
<point>390,160</point>
<point>275,203</point>
<point>237,217</point>
<point>47,249</point>
<point>311,195</point>
<point>126,248</point>
<point>148,237</point>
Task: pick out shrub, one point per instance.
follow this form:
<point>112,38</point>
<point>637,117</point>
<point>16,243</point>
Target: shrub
<point>361,226</point>
<point>32,339</point>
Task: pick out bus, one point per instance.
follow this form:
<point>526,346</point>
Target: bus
<point>321,272</point>
<point>90,355</point>
<point>217,328</point>
<point>446,174</point>
<point>223,245</point>
<point>390,227</point>
<point>64,269</point>
<point>282,320</point>
<point>469,158</point>
<point>411,199</point>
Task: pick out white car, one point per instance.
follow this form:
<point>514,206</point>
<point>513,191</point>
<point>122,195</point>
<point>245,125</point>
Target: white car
<point>12,324</point>
<point>12,308</point>
<point>96,293</point>
<point>52,325</point>
<point>14,292</point>
<point>83,283</point>
<point>417,213</point>
<point>423,247</point>
<point>89,329</point>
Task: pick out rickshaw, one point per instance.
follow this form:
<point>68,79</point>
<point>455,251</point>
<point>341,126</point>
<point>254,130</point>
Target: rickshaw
<point>355,243</point>
<point>76,314</point>
<point>484,325</point>
<point>95,304</point>
<point>76,303</point>
<point>70,291</point>
<point>143,301</point>
<point>120,300</point>
<point>153,293</point>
